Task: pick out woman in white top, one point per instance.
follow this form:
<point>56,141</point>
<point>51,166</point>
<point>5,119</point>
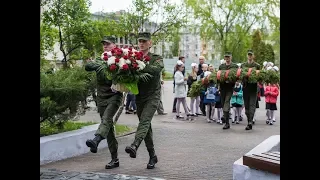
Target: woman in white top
<point>180,89</point>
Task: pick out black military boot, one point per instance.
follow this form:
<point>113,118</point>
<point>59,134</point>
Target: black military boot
<point>94,143</point>
<point>227,120</point>
<point>114,161</point>
<point>132,150</point>
<point>153,159</point>
<point>249,126</point>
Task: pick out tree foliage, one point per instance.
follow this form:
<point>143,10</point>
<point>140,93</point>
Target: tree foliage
<point>159,17</point>
<point>71,19</point>
<point>229,22</point>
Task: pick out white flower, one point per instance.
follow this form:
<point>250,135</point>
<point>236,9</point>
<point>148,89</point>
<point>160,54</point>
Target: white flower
<point>265,63</point>
<point>125,51</point>
<point>108,52</point>
<point>239,64</point>
<point>128,61</point>
<point>121,62</point>
<point>133,50</point>
<point>141,65</point>
<point>271,64</point>
<point>111,60</point>
<point>276,68</point>
<point>222,61</point>
<point>268,68</point>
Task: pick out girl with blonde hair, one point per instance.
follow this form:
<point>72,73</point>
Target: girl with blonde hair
<point>191,79</point>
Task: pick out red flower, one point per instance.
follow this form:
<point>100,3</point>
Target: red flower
<point>147,58</point>
<point>117,60</point>
<point>135,65</point>
<point>138,57</point>
<point>105,54</point>
<point>132,59</point>
<point>105,58</point>
<point>130,49</point>
<point>125,57</point>
<point>118,53</point>
<point>113,51</point>
<point>113,67</point>
<point>125,67</point>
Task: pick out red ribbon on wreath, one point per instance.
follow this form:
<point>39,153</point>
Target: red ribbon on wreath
<point>218,75</point>
<point>249,72</point>
<point>226,74</point>
<point>238,73</point>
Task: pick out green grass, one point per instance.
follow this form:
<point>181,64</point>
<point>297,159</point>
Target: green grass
<point>168,76</point>
<point>121,129</point>
<point>47,129</point>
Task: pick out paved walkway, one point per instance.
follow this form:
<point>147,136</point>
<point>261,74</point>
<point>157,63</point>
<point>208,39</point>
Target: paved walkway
<point>185,149</point>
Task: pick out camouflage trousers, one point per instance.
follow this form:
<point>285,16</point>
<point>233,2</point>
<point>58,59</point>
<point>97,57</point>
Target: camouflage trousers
<point>250,93</point>
<point>146,109</point>
<point>106,126</point>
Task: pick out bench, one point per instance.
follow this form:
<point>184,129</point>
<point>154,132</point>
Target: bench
<point>268,161</point>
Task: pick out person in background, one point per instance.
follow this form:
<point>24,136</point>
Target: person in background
<point>204,68</point>
<point>180,90</point>
<point>271,96</point>
<point>160,109</point>
<point>218,106</point>
<point>201,61</point>
<point>191,79</point>
<point>237,102</point>
<point>209,98</point>
<point>182,59</point>
<point>131,101</point>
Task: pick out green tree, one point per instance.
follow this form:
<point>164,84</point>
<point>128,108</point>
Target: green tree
<point>175,46</point>
<point>144,16</point>
<point>256,40</point>
<point>269,53</point>
<point>260,55</point>
<point>71,18</point>
<point>231,20</point>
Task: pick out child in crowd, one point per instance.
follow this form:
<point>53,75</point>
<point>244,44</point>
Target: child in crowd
<point>271,95</point>
<point>209,98</point>
<point>237,102</point>
<point>195,101</point>
<point>180,89</point>
<point>202,106</point>
<point>218,106</point>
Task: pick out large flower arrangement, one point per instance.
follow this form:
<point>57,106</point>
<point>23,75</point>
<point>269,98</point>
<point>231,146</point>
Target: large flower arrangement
<point>124,67</point>
<point>249,75</point>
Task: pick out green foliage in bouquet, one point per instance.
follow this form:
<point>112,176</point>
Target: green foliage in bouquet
<point>272,77</point>
<point>196,88</point>
<point>263,76</point>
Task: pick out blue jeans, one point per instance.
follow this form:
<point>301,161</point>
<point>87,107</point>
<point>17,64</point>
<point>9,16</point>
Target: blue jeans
<point>131,98</point>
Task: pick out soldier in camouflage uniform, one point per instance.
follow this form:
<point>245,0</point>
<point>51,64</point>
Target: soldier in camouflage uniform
<point>108,105</point>
<point>147,101</point>
<point>250,91</point>
<point>226,88</point>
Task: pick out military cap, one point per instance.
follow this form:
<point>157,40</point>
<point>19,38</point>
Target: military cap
<point>144,36</point>
<point>109,39</point>
<point>227,53</point>
<point>250,52</point>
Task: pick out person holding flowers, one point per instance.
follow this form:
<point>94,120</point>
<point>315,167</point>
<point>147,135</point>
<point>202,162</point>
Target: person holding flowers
<point>250,91</point>
<point>147,100</point>
<point>108,104</point>
<point>226,88</point>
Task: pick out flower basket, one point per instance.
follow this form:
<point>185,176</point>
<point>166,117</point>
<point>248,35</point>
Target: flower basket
<point>120,87</point>
<point>125,68</point>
